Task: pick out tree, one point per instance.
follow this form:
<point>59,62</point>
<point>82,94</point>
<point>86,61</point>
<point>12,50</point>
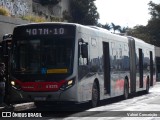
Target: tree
<point>123,29</point>
<point>140,32</point>
<point>106,26</point>
<point>115,27</point>
<point>84,12</point>
<point>151,32</point>
<point>154,10</point>
<point>153,25</point>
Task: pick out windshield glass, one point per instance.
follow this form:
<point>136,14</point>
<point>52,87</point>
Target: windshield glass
<point>43,55</point>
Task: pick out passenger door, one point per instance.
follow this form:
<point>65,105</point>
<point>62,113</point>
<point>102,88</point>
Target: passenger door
<point>106,61</point>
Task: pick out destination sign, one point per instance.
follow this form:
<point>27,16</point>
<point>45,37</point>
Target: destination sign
<point>44,30</point>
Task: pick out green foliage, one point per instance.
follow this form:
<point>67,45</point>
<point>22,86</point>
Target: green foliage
<point>4,11</point>
<point>56,19</point>
<point>48,2</point>
<point>154,10</point>
<point>154,23</point>
<point>123,29</point>
<point>114,27</point>
<point>67,16</point>
<point>151,32</point>
<point>33,18</point>
<point>154,31</point>
<point>84,12</point>
<point>107,26</point>
<point>140,32</point>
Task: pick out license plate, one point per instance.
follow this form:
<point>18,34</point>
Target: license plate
<point>40,98</point>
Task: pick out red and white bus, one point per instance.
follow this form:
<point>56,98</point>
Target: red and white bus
<point>67,62</point>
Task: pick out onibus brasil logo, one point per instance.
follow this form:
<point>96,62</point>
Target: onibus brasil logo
<point>15,114</point>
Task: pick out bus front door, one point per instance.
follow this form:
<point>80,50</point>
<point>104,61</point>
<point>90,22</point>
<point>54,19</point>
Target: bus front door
<point>106,61</point>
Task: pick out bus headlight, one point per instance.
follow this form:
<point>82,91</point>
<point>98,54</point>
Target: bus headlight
<point>15,85</point>
<point>67,84</point>
<point>70,82</point>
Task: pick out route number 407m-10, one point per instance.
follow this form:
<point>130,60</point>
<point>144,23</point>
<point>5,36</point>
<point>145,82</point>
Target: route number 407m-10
<point>45,31</point>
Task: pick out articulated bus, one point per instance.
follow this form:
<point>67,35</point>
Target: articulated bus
<point>67,62</point>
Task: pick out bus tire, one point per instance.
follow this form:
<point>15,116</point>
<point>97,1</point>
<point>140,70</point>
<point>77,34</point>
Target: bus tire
<point>126,90</point>
<point>95,95</point>
<point>39,104</point>
<point>147,87</point>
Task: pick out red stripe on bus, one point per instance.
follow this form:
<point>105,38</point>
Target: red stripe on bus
<point>119,84</point>
<point>40,86</point>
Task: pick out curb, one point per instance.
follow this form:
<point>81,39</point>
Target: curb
<point>18,107</point>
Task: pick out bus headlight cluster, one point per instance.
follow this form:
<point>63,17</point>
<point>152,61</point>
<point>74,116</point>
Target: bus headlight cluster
<point>15,85</point>
<point>67,84</point>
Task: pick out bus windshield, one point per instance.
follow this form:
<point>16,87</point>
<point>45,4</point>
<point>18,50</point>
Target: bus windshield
<point>45,55</point>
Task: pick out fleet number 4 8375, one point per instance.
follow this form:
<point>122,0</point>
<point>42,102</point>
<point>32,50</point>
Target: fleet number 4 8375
<point>51,86</point>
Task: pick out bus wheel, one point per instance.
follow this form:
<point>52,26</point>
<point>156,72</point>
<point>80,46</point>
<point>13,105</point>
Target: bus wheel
<point>126,89</point>
<point>95,95</point>
<point>39,104</point>
<point>147,87</point>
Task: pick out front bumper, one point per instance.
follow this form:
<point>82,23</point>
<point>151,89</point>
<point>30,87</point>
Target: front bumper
<point>17,96</point>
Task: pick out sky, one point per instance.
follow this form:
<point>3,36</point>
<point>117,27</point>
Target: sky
<point>126,13</point>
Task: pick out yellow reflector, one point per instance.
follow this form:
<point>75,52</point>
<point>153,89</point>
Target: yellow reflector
<point>57,71</point>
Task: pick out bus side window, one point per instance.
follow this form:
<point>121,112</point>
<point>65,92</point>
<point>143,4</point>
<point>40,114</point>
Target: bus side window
<point>83,52</point>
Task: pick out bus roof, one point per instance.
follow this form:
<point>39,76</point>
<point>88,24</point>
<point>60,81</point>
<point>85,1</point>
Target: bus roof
<point>139,41</point>
<point>94,30</point>
<point>97,30</point>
